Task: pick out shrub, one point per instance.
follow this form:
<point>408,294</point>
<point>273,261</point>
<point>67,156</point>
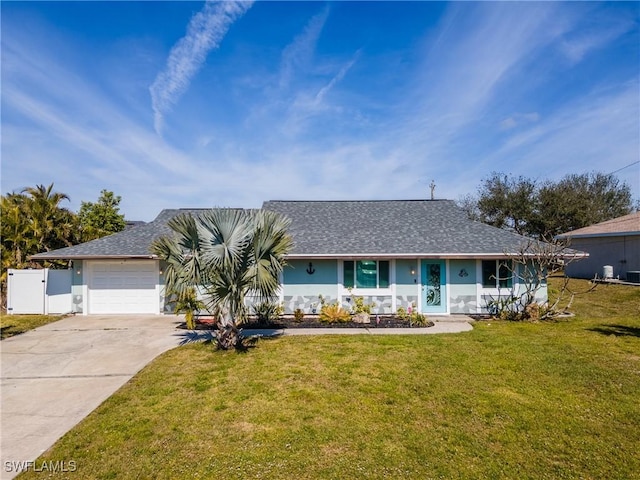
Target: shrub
<point>414,318</point>
<point>188,303</point>
<point>298,314</point>
<point>419,319</point>
<point>532,312</point>
<point>334,313</point>
<point>359,306</point>
<point>513,310</point>
<point>267,311</point>
<point>505,308</point>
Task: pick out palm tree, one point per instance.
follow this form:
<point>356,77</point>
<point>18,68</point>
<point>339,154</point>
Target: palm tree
<point>230,254</point>
<point>51,225</point>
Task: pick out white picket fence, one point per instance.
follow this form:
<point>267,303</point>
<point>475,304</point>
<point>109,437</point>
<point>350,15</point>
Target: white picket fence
<point>44,291</point>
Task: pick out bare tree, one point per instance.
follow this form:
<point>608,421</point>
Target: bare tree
<point>531,265</point>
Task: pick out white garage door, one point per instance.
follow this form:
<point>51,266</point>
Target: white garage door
<point>127,286</point>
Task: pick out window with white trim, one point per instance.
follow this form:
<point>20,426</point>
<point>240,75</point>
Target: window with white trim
<point>366,273</point>
<point>497,274</point>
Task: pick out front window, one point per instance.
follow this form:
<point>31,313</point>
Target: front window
<point>366,273</point>
<point>496,274</point>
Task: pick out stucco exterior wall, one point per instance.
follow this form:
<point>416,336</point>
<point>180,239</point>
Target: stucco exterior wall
<point>407,286</point>
<point>465,294</point>
<point>77,289</point>
<point>621,252</point>
<point>462,286</point>
<point>166,304</point>
<point>303,283</point>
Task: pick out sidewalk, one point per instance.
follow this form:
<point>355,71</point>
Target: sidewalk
<point>445,325</point>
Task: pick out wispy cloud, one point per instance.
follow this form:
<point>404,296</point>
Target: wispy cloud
<point>307,106</point>
<point>62,128</point>
<point>299,53</point>
<point>206,30</point>
<point>473,68</point>
<point>604,29</point>
<point>471,93</point>
<point>519,119</point>
<point>295,95</point>
<point>337,78</point>
<point>308,123</point>
<point>596,132</point>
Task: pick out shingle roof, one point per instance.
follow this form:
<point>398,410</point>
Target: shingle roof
<point>130,243</point>
<point>338,228</point>
<point>627,224</point>
<point>390,227</point>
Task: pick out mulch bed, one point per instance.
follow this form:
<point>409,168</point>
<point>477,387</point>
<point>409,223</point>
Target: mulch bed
<point>313,321</point>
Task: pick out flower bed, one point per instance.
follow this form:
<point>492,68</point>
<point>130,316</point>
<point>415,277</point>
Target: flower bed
<point>313,321</point>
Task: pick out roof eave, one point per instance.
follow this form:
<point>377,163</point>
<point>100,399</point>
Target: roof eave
<point>596,235</point>
<point>92,257</point>
<point>451,256</point>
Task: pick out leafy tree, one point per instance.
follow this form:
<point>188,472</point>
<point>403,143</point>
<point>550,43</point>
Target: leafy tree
<point>229,254</point>
<point>577,201</point>
<point>31,222</point>
<point>469,204</point>
<point>507,202</point>
<point>548,209</point>
<point>17,242</point>
<point>101,218</point>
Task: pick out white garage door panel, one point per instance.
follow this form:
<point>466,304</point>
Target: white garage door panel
<point>123,287</point>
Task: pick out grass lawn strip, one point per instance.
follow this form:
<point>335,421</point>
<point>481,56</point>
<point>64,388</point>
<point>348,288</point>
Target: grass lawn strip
<point>11,325</point>
<point>507,400</point>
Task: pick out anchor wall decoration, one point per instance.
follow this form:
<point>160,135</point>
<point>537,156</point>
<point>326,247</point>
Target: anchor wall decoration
<point>311,270</point>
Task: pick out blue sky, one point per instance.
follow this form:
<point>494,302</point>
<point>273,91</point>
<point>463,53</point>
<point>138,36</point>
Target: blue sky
<point>192,104</point>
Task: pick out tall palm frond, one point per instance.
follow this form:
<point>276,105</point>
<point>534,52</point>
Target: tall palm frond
<point>45,195</point>
<point>181,254</point>
<point>225,235</point>
<point>42,208</point>
<point>271,242</point>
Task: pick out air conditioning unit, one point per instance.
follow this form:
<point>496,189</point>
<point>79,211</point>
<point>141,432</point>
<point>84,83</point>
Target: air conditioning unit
<point>633,277</point>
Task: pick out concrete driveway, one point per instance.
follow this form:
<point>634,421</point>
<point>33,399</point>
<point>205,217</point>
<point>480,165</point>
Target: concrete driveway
<point>54,376</point>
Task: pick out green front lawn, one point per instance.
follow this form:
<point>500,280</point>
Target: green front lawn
<point>11,325</point>
<point>507,400</point>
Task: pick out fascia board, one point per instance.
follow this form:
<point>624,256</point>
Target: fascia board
<point>94,257</point>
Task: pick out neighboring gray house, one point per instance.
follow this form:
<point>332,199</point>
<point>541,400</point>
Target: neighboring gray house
<point>420,254</point>
<point>614,243</point>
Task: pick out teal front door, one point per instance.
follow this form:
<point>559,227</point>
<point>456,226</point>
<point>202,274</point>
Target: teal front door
<point>434,283</point>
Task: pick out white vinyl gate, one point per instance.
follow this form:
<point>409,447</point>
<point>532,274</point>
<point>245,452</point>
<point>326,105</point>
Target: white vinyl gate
<point>43,291</point>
